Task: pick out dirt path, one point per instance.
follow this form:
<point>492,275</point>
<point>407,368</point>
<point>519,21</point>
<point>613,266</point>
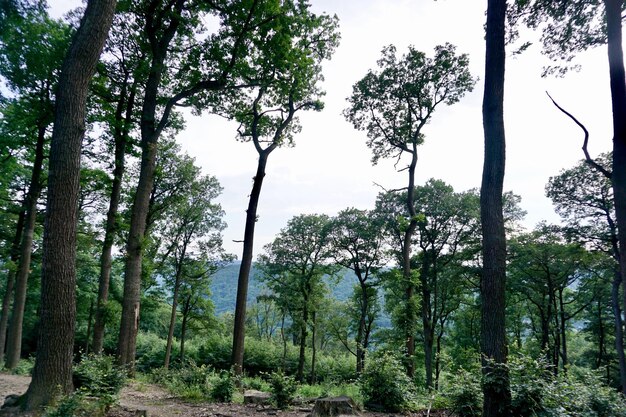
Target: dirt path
<point>141,399</point>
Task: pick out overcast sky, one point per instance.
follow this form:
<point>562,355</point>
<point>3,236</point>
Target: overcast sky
<point>329,169</point>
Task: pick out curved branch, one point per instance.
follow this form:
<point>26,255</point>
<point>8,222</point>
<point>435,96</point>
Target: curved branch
<point>588,158</point>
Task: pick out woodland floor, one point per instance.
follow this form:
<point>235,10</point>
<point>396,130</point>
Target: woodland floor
<point>141,399</point>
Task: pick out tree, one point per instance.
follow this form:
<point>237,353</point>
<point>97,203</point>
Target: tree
<point>392,106</point>
<point>32,47</point>
<point>358,245</point>
<point>575,26</point>
<point>496,389</point>
<point>119,88</point>
<point>583,197</point>
<point>52,373</point>
<point>286,77</point>
<point>294,266</point>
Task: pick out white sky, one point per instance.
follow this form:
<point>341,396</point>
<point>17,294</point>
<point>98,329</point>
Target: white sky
<point>329,169</point>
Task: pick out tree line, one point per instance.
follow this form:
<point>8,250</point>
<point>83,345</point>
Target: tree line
<point>94,134</point>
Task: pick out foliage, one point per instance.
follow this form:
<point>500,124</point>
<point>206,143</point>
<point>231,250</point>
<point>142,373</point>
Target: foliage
<point>385,385</point>
<point>283,389</point>
<point>464,395</point>
<point>223,387</point>
<point>98,376</point>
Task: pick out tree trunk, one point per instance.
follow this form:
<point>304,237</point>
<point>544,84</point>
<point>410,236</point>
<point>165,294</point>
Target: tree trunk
<point>427,322</point>
<point>183,330</point>
<point>150,132</point>
<point>14,338</point>
<point>170,333</point>
<point>360,335</point>
<point>497,393</point>
<point>6,299</point>
<point>313,378</point>
<point>411,316</point>
<point>618,102</point>
<point>246,263</point>
<point>619,333</point>
<point>563,331</point>
<point>106,259</point>
<point>52,373</point>
<point>89,319</point>
<point>303,336</point>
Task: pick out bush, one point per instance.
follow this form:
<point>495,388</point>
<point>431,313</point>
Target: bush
<point>98,376</point>
<point>223,387</point>
<point>283,389</point>
<point>385,385</point>
<point>465,395</point>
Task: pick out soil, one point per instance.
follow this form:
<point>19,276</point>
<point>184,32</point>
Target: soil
<point>141,399</point>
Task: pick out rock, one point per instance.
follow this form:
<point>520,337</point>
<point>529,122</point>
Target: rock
<point>334,407</point>
<point>256,397</point>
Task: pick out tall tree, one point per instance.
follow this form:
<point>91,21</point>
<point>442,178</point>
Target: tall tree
<point>294,266</point>
<point>52,374</point>
<point>358,245</point>
<point>32,48</point>
<point>496,388</point>
<point>287,75</point>
<point>392,106</point>
<point>573,27</point>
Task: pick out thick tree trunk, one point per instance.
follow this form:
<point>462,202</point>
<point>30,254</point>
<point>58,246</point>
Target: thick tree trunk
<point>497,393</point>
<point>246,263</point>
<point>14,338</point>
<point>411,316</point>
<point>8,293</point>
<point>106,259</point>
<point>52,373</point>
<point>618,101</point>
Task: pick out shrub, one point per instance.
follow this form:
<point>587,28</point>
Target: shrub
<point>385,385</point>
<point>465,395</point>
<point>223,387</point>
<point>283,389</point>
<point>98,376</point>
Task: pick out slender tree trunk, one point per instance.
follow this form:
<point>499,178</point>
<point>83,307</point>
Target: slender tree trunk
<point>52,373</point>
<point>246,263</point>
<point>303,336</point>
<point>284,339</point>
<point>438,360</point>
<point>106,259</point>
<point>14,338</point>
<point>183,331</point>
<point>563,332</point>
<point>497,393</point>
<point>313,378</point>
<point>619,333</point>
<point>8,294</point>
<point>89,320</point>
<point>360,335</point>
<point>170,333</point>
<point>618,101</point>
<point>411,314</point>
<point>427,322</point>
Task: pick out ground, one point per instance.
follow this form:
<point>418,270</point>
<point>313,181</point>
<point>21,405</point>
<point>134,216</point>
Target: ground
<point>141,399</point>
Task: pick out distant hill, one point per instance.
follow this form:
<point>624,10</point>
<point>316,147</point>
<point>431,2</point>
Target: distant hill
<point>224,287</point>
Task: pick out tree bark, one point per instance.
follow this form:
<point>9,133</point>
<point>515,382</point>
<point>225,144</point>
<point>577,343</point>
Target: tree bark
<point>361,343</point>
<point>150,133</point>
<point>52,373</point>
<point>246,263</point>
<point>170,333</point>
<point>619,333</point>
<point>14,338</point>
<point>406,268</point>
<point>303,336</point>
<point>497,393</point>
<point>427,321</point>
<point>6,299</point>
<point>618,101</point>
<point>106,259</point>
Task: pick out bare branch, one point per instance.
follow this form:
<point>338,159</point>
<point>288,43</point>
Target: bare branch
<point>588,158</point>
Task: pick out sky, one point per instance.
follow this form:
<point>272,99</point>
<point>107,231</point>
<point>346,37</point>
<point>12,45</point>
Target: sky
<point>330,169</point>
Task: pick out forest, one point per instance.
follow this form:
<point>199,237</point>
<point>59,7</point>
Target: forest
<point>430,301</point>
